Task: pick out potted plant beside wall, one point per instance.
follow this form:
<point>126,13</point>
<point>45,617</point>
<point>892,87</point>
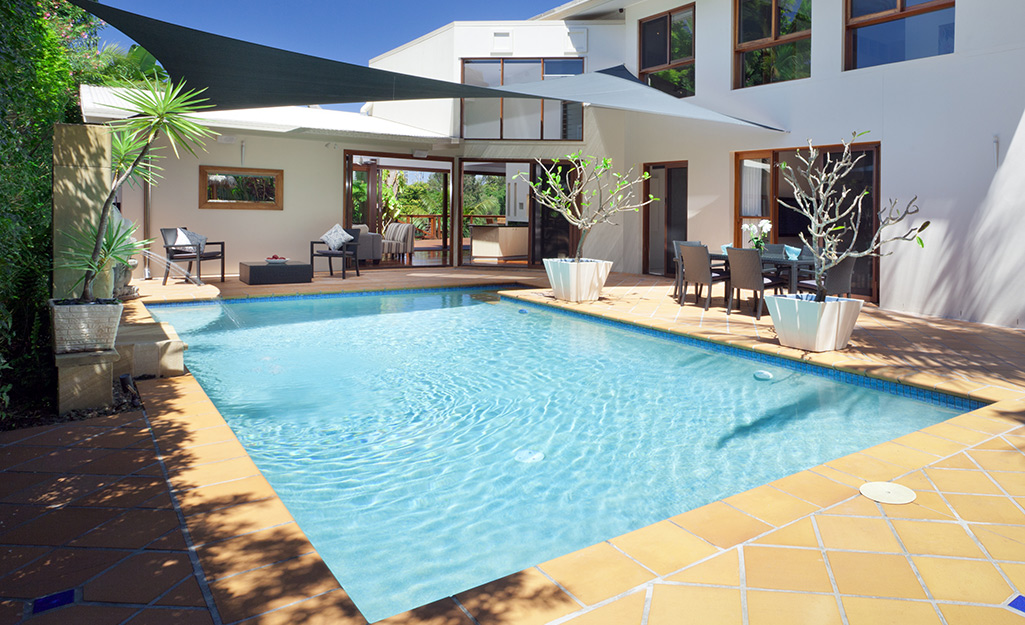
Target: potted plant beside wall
<point>819,322</point>
<point>89,322</point>
<point>586,192</point>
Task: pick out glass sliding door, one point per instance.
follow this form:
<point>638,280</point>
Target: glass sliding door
<point>760,188</point>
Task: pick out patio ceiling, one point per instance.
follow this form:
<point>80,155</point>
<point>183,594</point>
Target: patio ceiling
<point>240,75</point>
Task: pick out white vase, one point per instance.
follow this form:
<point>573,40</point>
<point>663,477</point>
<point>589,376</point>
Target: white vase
<point>803,323</point>
<point>574,281</point>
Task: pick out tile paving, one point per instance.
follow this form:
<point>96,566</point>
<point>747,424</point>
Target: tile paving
<point>160,516</point>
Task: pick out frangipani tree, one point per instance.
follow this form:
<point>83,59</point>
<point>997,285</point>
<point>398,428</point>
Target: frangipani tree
<point>586,192</point>
<point>835,215</point>
<point>158,109</point>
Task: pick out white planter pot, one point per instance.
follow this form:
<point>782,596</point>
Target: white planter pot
<point>803,323</point>
<point>577,281</point>
<point>84,327</point>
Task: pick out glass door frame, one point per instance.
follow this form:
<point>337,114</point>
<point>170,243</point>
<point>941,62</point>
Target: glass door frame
<point>373,193</point>
<point>774,160</point>
<point>670,267</point>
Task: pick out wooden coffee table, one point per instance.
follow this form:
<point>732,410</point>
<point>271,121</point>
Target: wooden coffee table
<point>262,272</point>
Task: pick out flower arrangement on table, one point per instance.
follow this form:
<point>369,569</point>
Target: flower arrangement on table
<point>758,233</point>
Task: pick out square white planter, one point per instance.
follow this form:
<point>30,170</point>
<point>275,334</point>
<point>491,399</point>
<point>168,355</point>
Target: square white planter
<point>803,323</point>
<point>577,281</point>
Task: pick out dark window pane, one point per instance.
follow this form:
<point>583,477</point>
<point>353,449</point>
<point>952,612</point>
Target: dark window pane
<point>682,35</point>
<point>928,34</point>
<point>777,64</point>
<point>911,3</point>
<point>868,7</point>
<point>794,16</point>
<point>563,67</point>
<point>678,81</point>
<point>654,43</point>
<point>755,20</point>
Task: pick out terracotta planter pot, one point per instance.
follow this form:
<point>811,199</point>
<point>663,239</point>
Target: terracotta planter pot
<point>577,281</point>
<point>84,327</point>
<point>803,323</point>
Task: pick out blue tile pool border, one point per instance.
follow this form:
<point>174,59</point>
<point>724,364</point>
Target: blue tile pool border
<point>282,298</point>
<point>935,398</point>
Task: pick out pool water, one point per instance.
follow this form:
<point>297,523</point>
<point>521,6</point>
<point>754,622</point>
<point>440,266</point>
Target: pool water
<point>428,443</point>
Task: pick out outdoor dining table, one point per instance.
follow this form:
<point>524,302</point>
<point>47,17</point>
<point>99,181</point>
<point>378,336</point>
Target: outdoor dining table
<point>779,260</point>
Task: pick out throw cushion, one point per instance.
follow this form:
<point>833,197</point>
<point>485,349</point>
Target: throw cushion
<point>190,242</point>
<point>336,237</point>
<point>792,253</point>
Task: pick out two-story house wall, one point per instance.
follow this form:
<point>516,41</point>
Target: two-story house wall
<point>932,82</point>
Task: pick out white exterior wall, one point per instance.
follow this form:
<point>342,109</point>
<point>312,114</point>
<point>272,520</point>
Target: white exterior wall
<point>936,119</point>
<point>439,55</point>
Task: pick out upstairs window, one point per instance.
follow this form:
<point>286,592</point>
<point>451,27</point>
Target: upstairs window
<point>520,118</point>
<point>890,31</point>
<point>667,51</point>
<point>773,41</point>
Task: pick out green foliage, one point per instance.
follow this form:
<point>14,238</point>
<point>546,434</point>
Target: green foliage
<point>36,91</point>
<point>160,109</point>
<point>117,246</point>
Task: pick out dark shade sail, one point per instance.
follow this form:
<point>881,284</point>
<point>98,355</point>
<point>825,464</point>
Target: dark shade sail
<point>241,75</point>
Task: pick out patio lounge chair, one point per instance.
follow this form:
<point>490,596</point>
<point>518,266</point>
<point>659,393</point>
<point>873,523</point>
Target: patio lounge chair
<point>746,273</point>
<point>838,279</point>
<point>698,269</point>
<point>182,245</point>
<point>347,251</point>
<point>398,241</point>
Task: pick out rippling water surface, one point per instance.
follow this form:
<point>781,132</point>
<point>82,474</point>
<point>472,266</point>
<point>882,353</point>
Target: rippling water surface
<point>430,443</point>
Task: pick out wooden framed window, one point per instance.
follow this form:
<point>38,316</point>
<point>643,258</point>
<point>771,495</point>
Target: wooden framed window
<point>891,31</point>
<point>773,41</point>
<point>666,52</point>
<point>520,118</point>
<point>241,188</point>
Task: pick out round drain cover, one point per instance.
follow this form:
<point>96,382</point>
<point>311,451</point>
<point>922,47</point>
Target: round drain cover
<point>887,492</point>
<point>529,456</point>
<point>763,375</point>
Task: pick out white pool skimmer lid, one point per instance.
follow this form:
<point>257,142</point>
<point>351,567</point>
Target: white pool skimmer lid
<point>887,492</point>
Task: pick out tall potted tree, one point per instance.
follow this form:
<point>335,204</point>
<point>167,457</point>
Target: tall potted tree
<point>586,192</point>
<point>89,323</point>
<point>819,322</point>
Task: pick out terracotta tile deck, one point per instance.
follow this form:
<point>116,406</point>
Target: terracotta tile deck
<point>161,517</point>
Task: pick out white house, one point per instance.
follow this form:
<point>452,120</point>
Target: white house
<point>932,82</point>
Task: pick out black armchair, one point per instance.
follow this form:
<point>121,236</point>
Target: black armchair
<point>176,251</point>
<point>347,251</point>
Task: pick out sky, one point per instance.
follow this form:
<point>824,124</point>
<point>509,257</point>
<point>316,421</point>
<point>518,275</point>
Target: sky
<point>342,30</point>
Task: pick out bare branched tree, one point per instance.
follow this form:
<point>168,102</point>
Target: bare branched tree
<point>834,215</point>
<point>586,192</point>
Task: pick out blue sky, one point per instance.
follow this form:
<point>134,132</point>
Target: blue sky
<point>343,30</point>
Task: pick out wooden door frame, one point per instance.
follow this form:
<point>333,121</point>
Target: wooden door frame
<point>646,216</point>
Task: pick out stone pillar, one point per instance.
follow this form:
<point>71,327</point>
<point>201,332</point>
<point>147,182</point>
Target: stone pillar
<point>81,182</point>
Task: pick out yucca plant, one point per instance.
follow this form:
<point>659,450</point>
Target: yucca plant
<point>158,109</point>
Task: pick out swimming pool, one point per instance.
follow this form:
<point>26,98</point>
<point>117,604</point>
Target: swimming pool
<point>431,442</point>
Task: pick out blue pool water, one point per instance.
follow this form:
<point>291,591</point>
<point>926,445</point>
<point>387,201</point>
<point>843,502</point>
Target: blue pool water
<point>429,443</point>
